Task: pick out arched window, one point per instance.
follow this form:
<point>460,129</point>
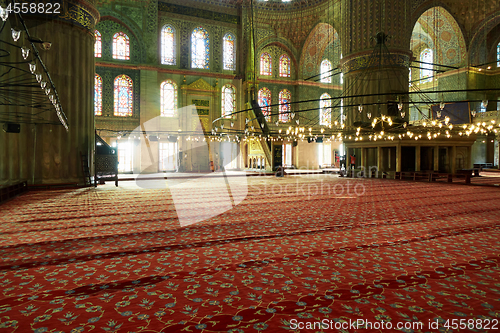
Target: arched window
<point>325,111</point>
<point>285,98</point>
<point>498,55</point>
<point>97,95</point>
<point>264,100</point>
<point>200,48</point>
<point>124,96</point>
<point>228,100</point>
<point>168,45</point>
<point>121,47</point>
<point>265,64</point>
<point>168,99</point>
<point>97,44</point>
<point>229,52</point>
<point>426,72</point>
<point>326,71</point>
<point>284,66</point>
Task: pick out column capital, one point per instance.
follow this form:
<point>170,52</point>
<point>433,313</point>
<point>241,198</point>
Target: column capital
<point>79,13</point>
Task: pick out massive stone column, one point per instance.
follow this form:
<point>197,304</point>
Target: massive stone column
<point>376,56</point>
<point>46,153</point>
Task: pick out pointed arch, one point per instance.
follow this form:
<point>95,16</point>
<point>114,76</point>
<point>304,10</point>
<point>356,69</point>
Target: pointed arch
<point>200,48</point>
<point>264,100</point>
<point>123,96</point>
<point>426,70</point>
<point>121,46</point>
<point>97,44</point>
<point>168,56</point>
<point>284,67</point>
<point>97,95</point>
<point>325,71</point>
<point>229,51</point>
<point>325,111</point>
<point>168,96</point>
<point>228,101</point>
<point>438,30</point>
<point>285,97</point>
<point>266,64</point>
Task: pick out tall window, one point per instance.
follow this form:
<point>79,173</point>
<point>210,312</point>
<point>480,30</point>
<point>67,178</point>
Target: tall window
<point>168,45</point>
<point>265,64</point>
<point>121,47</point>
<point>123,96</point>
<point>264,99</point>
<point>97,44</point>
<point>325,71</point>
<point>498,55</point>
<point>125,156</point>
<point>168,99</point>
<point>325,154</point>
<point>426,72</point>
<point>325,111</point>
<point>229,50</point>
<point>287,155</point>
<point>228,100</point>
<point>97,95</point>
<point>285,98</point>
<point>167,156</point>
<point>229,155</point>
<point>285,66</point>
<point>200,48</point>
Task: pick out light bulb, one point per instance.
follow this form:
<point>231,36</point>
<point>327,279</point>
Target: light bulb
<point>360,108</point>
<point>473,113</point>
<point>25,52</point>
<point>4,14</point>
<point>441,105</point>
<point>369,115</point>
<point>438,114</point>
<point>15,34</point>
<point>43,84</point>
<point>32,68</point>
<point>400,106</point>
<point>484,104</point>
<point>38,78</point>
<point>403,114</point>
<point>47,91</point>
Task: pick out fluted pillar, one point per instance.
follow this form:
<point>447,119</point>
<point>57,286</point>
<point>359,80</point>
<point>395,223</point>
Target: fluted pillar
<point>48,154</point>
<point>376,56</point>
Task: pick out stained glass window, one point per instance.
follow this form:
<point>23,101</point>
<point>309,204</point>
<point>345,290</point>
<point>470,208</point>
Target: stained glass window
<point>121,47</point>
<point>285,98</point>
<point>228,100</point>
<point>97,44</point>
<point>325,111</point>
<point>426,71</point>
<point>200,48</point>
<point>265,64</point>
<point>97,95</point>
<point>123,96</point>
<point>168,99</point>
<point>285,66</point>
<point>264,99</point>
<point>168,45</point>
<point>498,55</point>
<point>229,52</point>
<point>326,71</point>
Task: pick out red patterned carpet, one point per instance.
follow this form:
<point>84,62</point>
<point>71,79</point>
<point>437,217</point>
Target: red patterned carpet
<point>289,257</point>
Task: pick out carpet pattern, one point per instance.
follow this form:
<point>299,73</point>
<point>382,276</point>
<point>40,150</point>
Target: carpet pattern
<point>297,251</point>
